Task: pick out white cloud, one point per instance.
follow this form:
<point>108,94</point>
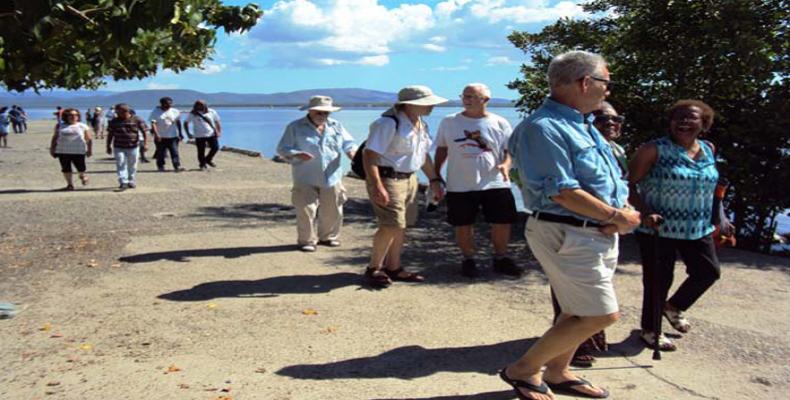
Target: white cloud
<point>161,86</point>
<point>500,60</point>
<point>210,69</point>
<point>451,69</point>
<point>315,33</point>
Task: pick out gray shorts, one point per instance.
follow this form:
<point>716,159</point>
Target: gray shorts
<point>580,265</point>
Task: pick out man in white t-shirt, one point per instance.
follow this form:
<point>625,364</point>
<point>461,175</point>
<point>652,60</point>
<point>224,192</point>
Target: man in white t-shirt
<point>474,144</point>
<point>166,128</point>
<point>206,131</point>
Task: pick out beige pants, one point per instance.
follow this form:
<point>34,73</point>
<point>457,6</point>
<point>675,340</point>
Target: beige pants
<point>327,203</point>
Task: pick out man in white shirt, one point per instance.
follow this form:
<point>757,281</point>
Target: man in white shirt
<point>166,127</point>
<point>207,130</point>
<point>474,144</point>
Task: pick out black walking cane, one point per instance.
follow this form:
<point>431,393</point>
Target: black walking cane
<point>657,303</point>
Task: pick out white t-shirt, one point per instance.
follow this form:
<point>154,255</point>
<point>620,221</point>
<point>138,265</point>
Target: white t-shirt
<point>403,150</point>
<point>165,121</point>
<point>200,128</point>
<point>71,139</point>
<point>475,146</point>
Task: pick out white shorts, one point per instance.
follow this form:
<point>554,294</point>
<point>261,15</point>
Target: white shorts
<point>580,264</point>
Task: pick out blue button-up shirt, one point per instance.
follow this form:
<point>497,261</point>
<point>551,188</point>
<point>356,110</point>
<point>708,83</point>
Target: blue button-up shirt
<point>327,149</point>
<point>556,148</point>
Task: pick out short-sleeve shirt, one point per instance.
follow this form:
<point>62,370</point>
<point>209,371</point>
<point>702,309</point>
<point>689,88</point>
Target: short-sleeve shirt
<point>556,148</point>
<point>4,123</point>
<point>403,149</point>
<point>71,139</point>
<point>327,149</point>
<point>475,146</point>
<point>201,128</point>
<point>166,121</point>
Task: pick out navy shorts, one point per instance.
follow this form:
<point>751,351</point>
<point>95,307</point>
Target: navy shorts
<point>498,205</point>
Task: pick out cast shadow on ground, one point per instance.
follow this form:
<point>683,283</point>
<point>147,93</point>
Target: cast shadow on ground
<point>355,211</point>
<point>500,395</point>
<point>226,252</point>
<point>411,362</point>
<point>59,190</point>
<point>268,287</point>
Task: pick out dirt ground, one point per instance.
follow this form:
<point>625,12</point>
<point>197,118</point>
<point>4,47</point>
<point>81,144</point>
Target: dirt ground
<point>190,287</point>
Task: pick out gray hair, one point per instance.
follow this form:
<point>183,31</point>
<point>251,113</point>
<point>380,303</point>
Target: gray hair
<point>481,87</point>
<point>568,67</point>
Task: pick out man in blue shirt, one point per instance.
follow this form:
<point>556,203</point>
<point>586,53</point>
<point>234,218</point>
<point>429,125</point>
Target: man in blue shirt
<point>314,145</point>
<point>573,186</point>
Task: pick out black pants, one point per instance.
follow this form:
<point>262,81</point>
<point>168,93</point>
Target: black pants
<point>17,125</point>
<point>67,159</point>
<point>702,267</point>
<point>163,146</point>
<point>201,149</point>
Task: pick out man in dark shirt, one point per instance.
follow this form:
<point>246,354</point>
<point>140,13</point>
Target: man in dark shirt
<point>124,135</point>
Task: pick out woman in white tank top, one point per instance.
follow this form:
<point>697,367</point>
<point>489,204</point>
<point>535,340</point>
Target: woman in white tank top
<point>71,143</point>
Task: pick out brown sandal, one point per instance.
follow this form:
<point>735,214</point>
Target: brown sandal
<point>395,275</point>
<point>376,281</point>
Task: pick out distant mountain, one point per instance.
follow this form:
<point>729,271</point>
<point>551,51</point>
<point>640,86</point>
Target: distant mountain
<point>185,98</point>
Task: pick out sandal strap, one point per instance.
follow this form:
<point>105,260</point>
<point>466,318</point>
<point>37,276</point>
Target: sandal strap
<point>518,383</point>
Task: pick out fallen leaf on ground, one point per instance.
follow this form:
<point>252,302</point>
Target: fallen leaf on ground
<point>330,329</point>
<point>86,346</point>
<point>173,368</point>
<point>115,265</point>
<point>92,264</point>
<point>261,370</point>
<point>309,311</point>
<point>211,306</point>
<point>183,386</point>
<point>224,398</point>
<point>56,335</point>
<point>45,327</point>
<point>55,383</point>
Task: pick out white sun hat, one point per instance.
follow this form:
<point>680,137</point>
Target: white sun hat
<point>320,103</point>
<point>419,95</point>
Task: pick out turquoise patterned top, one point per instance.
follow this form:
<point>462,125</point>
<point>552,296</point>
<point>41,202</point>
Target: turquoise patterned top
<point>681,190</point>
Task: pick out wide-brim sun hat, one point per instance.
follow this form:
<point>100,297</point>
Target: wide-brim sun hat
<point>320,103</point>
<point>419,95</point>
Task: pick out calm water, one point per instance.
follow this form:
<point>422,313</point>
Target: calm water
<point>260,129</point>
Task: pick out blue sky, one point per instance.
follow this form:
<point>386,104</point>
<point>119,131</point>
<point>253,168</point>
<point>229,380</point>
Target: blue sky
<point>372,44</point>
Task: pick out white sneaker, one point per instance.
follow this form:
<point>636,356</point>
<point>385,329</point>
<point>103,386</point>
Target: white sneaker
<point>307,248</point>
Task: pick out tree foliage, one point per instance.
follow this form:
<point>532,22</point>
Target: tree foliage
<point>732,54</point>
<point>76,44</point>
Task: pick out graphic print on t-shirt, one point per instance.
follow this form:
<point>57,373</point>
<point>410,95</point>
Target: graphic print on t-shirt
<point>475,144</point>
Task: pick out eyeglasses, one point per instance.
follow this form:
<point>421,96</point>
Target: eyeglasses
<point>321,112</point>
<point>602,119</point>
<point>609,83</point>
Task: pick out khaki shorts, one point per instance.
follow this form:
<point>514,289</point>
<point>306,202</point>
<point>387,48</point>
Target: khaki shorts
<point>401,211</point>
<point>580,265</point>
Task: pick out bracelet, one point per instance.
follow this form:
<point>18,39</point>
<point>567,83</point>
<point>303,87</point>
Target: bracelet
<point>440,180</point>
<point>611,218</point>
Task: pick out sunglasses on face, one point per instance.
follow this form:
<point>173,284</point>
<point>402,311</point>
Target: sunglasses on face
<point>602,119</point>
<point>322,112</point>
<point>608,82</point>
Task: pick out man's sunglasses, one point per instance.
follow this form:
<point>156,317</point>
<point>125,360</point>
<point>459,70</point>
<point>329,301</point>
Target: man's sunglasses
<point>609,83</point>
<point>602,119</point>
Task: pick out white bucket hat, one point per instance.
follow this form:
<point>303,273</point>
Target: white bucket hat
<point>419,95</point>
<point>320,103</point>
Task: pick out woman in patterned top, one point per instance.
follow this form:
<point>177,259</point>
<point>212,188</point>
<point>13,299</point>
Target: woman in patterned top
<point>71,143</point>
<point>672,182</point>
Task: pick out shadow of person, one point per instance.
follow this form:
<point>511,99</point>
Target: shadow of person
<point>410,362</point>
<point>501,395</point>
<point>268,287</point>
<point>226,252</point>
<point>632,345</point>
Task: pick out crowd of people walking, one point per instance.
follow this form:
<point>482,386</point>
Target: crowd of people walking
<point>578,184</point>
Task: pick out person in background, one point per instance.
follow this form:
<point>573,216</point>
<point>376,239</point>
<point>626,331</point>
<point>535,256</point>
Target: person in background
<point>89,117</point>
<point>123,142</point>
<point>314,145</point>
<point>99,122</point>
<point>166,129</point>
<point>4,122</point>
<point>58,114</point>
<point>17,119</point>
<point>572,184</point>
<point>474,143</point>
<point>206,131</point>
<point>673,180</point>
<point>397,147</point>
<point>71,144</point>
